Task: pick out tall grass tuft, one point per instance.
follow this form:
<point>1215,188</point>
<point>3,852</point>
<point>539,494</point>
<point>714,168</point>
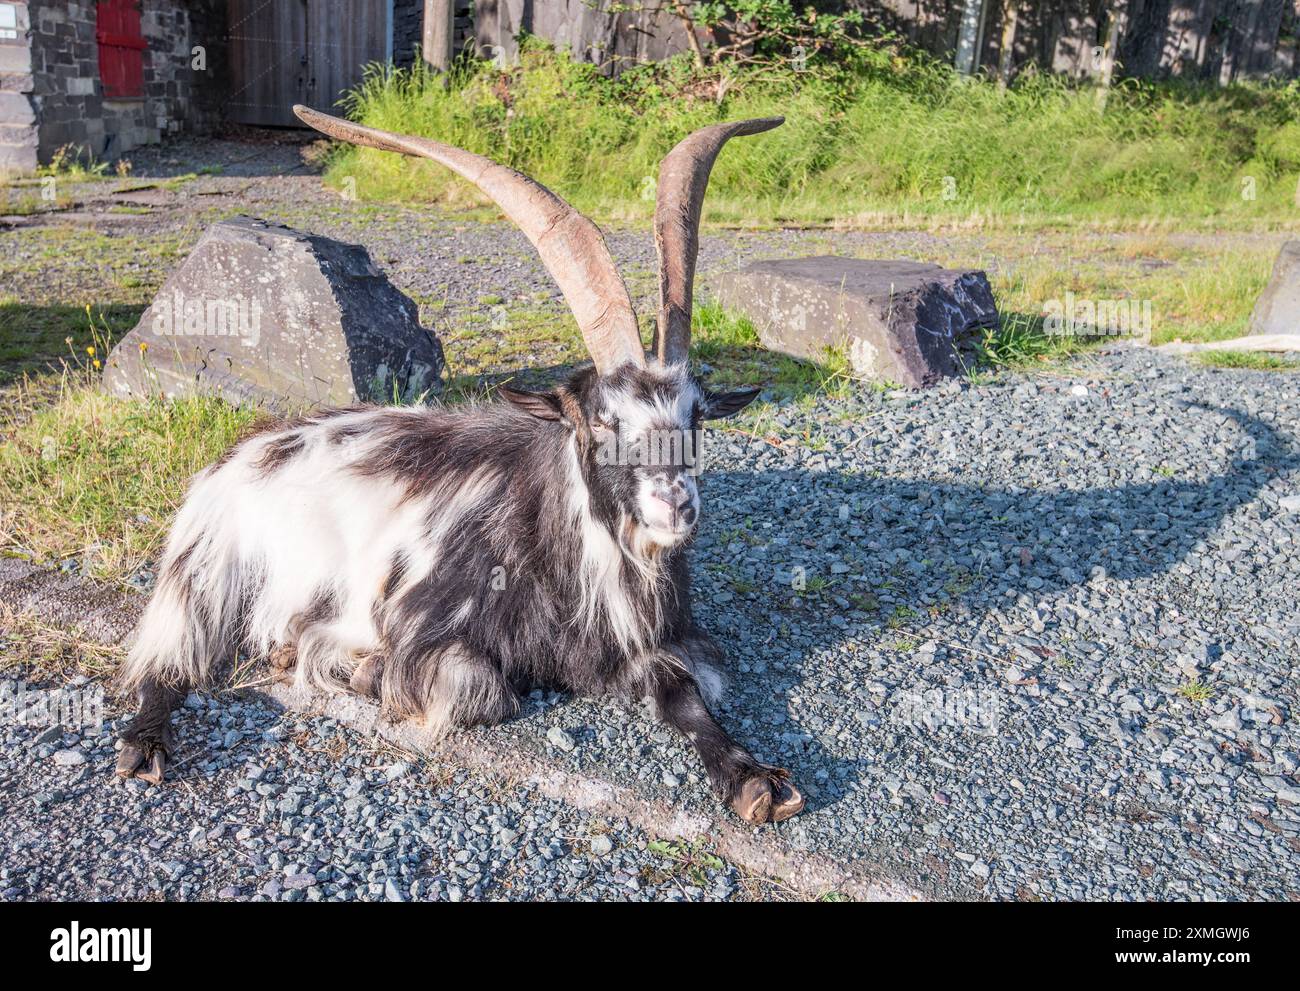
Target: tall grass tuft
<point>94,479</point>
<point>884,137</point>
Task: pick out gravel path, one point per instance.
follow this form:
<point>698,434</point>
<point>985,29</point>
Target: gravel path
<point>282,808</point>
<point>1041,646</point>
<point>1033,638</point>
<point>1045,642</point>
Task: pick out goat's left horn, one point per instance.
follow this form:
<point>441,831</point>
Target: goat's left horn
<point>571,246</point>
<point>683,178</point>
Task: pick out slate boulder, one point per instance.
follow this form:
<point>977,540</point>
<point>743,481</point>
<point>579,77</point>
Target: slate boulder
<point>262,314</point>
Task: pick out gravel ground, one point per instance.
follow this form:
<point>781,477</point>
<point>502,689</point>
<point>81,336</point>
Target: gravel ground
<point>1041,646</point>
<point>1030,638</point>
<point>1045,642</point>
<point>278,808</point>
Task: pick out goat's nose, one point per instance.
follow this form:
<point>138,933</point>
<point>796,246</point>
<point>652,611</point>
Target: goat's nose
<point>674,498</point>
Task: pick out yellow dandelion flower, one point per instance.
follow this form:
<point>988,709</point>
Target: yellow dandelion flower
<point>96,362</point>
<point>90,350</point>
<point>144,346</point>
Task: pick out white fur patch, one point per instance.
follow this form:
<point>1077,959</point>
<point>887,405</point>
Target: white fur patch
<point>712,684</point>
<point>603,562</point>
<point>281,541</point>
<point>637,418</point>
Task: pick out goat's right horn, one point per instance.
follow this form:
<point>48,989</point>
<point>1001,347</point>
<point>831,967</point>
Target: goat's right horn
<point>571,246</point>
<point>683,178</point>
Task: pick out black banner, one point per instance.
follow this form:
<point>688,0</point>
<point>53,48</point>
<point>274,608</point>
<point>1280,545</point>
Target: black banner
<point>144,941</point>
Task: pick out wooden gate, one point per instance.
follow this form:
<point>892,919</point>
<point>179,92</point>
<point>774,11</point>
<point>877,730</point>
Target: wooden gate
<point>300,51</point>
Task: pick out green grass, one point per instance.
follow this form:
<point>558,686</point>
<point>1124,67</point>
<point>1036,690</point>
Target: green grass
<point>1201,292</point>
<point>887,137</point>
<point>97,478</point>
<point>1251,360</point>
<point>729,345</point>
<point>1196,691</point>
<point>36,338</point>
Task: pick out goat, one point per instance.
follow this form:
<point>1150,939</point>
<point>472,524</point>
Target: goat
<point>444,559</point>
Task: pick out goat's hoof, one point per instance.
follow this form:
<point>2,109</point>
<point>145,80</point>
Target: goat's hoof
<point>283,658</point>
<point>147,763</point>
<point>367,677</point>
<point>768,796</point>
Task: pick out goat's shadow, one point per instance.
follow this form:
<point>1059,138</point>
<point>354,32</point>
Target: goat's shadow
<point>1136,518</point>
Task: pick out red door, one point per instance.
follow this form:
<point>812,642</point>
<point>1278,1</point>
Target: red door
<point>121,48</point>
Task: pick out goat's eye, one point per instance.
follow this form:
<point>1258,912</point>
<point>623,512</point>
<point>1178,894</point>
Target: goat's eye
<point>602,423</point>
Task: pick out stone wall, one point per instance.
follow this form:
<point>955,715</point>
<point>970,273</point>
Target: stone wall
<point>408,28</point>
<point>53,66</point>
<point>208,87</point>
<point>18,132</point>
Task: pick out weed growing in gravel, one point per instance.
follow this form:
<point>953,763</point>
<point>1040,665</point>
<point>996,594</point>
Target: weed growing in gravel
<point>681,860</point>
<point>74,163</point>
<point>1196,691</point>
<point>901,616</point>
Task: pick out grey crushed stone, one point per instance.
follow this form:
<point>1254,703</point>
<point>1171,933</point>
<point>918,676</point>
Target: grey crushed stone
<point>994,648</point>
<point>983,685</point>
<point>301,809</point>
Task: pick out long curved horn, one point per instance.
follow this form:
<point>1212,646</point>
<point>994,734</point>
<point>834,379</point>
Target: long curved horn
<point>683,178</point>
<point>571,246</point>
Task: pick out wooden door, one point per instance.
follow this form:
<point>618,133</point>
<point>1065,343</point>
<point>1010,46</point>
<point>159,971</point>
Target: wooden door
<point>300,51</point>
<point>268,60</point>
<point>121,49</point>
<point>343,36</point>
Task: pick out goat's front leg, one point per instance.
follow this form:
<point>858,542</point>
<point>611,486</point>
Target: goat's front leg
<point>755,791</point>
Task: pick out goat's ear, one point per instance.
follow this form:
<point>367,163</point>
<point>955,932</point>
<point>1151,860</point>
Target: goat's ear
<point>719,405</point>
<point>543,405</point>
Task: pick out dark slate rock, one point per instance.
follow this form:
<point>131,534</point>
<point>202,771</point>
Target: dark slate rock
<point>898,321</point>
<point>264,314</point>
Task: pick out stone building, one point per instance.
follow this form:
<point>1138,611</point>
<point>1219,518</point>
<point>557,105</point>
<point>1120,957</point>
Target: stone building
<point>107,76</point>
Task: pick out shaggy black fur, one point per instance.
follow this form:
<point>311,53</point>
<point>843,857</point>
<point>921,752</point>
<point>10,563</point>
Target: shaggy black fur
<point>505,606</point>
<point>517,561</point>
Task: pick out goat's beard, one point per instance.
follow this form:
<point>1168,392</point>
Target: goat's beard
<point>666,539</point>
<point>648,542</point>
